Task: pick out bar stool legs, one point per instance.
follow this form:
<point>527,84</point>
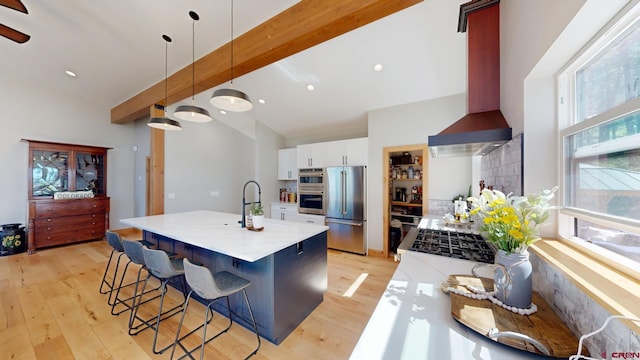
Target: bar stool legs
<point>211,288</point>
<point>160,266</point>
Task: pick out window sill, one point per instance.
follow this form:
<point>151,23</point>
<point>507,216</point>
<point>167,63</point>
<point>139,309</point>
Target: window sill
<point>615,291</point>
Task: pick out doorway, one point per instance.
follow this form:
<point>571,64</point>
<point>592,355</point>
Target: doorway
<point>405,197</point>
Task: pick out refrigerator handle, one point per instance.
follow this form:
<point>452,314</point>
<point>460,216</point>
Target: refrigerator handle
<point>329,221</point>
<point>343,179</point>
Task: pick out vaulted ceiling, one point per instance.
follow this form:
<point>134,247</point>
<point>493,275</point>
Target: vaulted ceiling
<point>117,51</point>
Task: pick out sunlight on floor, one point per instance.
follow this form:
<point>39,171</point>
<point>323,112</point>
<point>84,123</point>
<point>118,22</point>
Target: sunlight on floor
<point>356,284</point>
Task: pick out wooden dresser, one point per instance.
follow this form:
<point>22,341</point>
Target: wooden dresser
<point>59,222</point>
<point>60,178</point>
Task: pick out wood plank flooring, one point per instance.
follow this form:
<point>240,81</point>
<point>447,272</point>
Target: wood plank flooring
<point>50,308</point>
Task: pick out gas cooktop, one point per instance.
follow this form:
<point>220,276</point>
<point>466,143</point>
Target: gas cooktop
<point>453,244</point>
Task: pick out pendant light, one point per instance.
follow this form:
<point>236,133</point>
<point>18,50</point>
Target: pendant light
<point>192,112</point>
<point>164,123</point>
<point>231,99</point>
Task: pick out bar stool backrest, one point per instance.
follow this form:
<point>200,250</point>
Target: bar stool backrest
<point>133,249</point>
<point>114,240</point>
<point>201,281</point>
<point>159,264</point>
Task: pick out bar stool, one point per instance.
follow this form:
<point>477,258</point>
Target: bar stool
<point>211,287</point>
<point>162,267</point>
<point>133,251</point>
<point>115,241</point>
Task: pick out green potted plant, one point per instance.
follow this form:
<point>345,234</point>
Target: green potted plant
<point>257,216</point>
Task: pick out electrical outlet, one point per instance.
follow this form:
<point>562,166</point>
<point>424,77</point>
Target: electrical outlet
<point>171,196</point>
<point>215,193</point>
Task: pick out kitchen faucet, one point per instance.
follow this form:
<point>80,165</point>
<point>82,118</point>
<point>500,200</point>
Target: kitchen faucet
<point>245,203</point>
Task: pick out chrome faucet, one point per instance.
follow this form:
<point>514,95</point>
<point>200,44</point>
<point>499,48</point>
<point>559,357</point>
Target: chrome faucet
<point>245,203</point>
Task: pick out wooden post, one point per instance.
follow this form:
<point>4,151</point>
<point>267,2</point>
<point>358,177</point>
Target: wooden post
<point>156,181</point>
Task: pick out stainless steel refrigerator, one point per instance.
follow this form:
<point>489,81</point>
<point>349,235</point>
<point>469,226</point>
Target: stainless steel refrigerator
<point>346,212</point>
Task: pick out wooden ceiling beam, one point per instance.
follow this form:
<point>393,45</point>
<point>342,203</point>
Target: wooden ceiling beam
<point>304,25</point>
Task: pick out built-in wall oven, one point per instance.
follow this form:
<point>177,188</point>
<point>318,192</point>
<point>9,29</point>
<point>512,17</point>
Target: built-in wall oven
<point>311,191</point>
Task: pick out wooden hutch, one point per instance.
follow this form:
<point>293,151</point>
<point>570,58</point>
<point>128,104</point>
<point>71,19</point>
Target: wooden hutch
<point>67,193</point>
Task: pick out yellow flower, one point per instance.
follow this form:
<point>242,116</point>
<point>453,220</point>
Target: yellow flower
<point>511,222</point>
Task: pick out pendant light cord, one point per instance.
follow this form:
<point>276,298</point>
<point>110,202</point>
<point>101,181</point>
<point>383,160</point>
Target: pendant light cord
<point>232,43</point>
<point>167,39</point>
<point>193,60</point>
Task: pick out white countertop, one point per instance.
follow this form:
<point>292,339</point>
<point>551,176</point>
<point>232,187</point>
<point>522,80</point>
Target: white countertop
<point>221,232</point>
<point>413,318</point>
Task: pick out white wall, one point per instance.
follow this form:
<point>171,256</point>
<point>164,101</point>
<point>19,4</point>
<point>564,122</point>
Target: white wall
<point>32,110</point>
<point>533,49</point>
<point>206,157</point>
<point>267,144</point>
<point>406,125</point>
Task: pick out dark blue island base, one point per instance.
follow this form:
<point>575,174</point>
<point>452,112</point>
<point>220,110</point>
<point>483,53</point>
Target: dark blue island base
<point>285,286</point>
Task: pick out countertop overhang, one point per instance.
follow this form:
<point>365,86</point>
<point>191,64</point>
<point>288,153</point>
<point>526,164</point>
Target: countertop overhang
<point>413,318</point>
<point>221,232</point>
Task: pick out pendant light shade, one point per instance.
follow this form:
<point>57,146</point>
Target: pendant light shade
<point>192,112</point>
<point>164,123</point>
<point>231,99</point>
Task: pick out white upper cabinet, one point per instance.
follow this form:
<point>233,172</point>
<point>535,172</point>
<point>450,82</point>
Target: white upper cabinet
<point>287,167</point>
<point>311,155</point>
<point>347,152</point>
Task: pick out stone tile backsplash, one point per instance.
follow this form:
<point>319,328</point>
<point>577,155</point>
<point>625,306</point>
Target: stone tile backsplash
<point>581,314</point>
<point>502,168</point>
<point>440,207</point>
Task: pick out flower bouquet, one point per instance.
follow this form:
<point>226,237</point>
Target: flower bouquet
<point>511,223</point>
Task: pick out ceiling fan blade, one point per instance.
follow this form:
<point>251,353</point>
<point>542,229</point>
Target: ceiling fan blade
<point>13,34</point>
<point>15,5</point>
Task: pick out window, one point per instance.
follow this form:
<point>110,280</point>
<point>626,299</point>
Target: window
<point>599,127</point>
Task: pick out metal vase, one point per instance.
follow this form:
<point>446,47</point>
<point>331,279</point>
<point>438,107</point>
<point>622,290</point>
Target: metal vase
<point>513,279</point>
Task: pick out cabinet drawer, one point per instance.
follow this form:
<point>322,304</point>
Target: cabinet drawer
<point>58,208</point>
<point>45,239</point>
<point>70,223</point>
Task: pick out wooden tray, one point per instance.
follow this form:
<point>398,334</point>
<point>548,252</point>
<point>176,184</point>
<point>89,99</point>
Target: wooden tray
<point>544,326</point>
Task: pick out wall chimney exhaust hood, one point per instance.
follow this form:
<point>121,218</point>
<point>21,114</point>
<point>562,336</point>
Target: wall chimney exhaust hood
<point>484,128</point>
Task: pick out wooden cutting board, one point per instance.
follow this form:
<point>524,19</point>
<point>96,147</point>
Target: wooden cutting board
<point>483,315</point>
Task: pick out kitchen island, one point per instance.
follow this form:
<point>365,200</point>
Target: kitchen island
<point>413,317</point>
<point>286,262</point>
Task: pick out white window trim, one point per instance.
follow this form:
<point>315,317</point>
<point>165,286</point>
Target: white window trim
<point>565,88</point>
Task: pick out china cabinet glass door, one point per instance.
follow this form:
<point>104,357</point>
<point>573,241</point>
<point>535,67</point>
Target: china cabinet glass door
<point>50,172</point>
<point>90,173</point>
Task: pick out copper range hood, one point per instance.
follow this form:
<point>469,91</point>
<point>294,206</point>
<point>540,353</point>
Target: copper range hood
<point>484,128</point>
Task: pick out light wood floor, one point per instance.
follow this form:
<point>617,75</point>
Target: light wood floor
<point>50,308</point>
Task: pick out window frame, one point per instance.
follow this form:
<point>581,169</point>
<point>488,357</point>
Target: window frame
<point>567,126</point>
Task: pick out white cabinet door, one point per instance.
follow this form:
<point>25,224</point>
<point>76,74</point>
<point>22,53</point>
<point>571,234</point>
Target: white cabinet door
<point>311,155</point>
<point>335,153</point>
<point>350,152</point>
<point>287,167</point>
<point>283,212</point>
<point>356,151</point>
<point>311,219</point>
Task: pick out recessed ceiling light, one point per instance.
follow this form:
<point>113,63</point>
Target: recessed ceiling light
<point>377,67</point>
<point>223,112</point>
<point>70,73</point>
<point>262,101</point>
<point>310,87</point>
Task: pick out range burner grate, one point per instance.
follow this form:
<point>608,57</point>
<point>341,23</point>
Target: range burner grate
<point>453,244</point>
